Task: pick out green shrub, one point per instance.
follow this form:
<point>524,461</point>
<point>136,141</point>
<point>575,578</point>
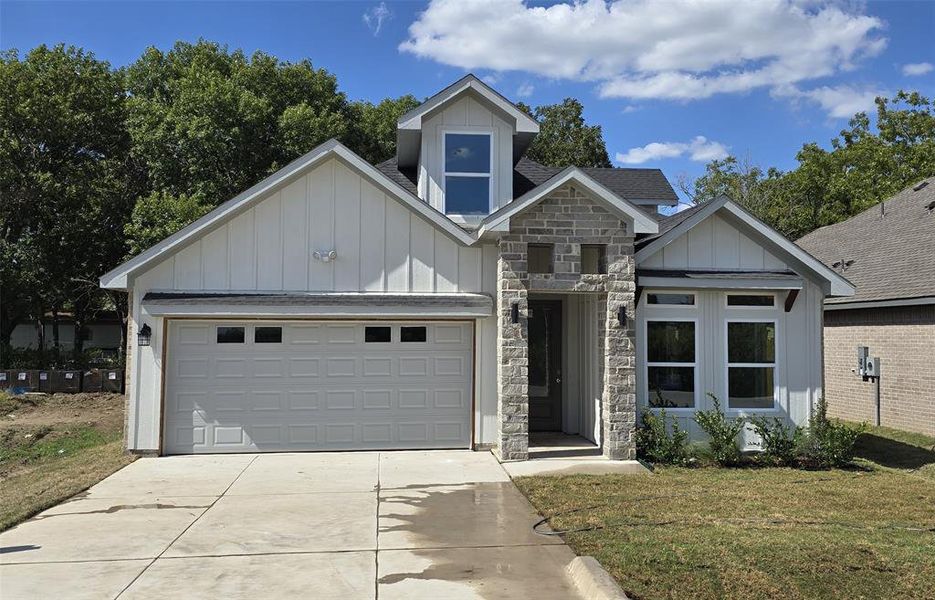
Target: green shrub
<point>780,442</point>
<point>828,443</point>
<point>722,433</point>
<point>657,444</point>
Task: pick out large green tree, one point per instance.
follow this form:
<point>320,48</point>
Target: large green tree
<point>373,129</point>
<point>564,138</point>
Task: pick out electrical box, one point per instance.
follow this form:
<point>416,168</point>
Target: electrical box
<point>863,353</point>
<point>872,366</point>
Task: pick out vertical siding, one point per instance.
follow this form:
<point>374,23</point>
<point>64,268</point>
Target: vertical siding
<point>295,236</point>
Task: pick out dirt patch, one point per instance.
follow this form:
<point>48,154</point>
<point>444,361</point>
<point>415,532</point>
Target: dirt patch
<point>103,409</point>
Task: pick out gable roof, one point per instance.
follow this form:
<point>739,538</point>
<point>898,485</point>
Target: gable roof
<point>647,186</point>
<point>642,222</point>
<point>679,224</point>
<point>117,278</point>
<point>892,246</point>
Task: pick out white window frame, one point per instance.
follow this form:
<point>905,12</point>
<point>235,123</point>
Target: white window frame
<point>648,363</point>
<point>727,365</point>
<point>445,173</point>
<point>692,293</point>
<point>750,307</point>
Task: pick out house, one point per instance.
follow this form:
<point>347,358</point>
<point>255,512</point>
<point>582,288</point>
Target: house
<point>888,252</point>
<point>461,296</point>
<point>102,332</point>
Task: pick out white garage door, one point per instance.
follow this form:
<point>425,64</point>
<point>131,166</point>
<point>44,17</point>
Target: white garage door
<point>267,386</point>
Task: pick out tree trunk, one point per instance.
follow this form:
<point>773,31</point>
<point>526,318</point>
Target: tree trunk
<point>56,340</point>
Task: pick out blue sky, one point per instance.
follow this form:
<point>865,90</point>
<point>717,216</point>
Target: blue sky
<point>672,84</point>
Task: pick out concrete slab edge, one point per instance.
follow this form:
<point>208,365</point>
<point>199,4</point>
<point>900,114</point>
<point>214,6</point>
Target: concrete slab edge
<point>592,581</point>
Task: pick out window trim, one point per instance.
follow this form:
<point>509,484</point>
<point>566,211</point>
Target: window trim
<point>774,365</point>
<point>750,307</point>
<point>445,173</point>
<point>694,294</point>
<point>648,363</point>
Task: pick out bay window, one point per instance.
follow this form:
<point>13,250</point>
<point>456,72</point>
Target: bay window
<point>468,172</point>
<point>751,364</point>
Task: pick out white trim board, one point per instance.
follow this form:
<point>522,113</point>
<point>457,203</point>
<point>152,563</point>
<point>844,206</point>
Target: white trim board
<point>836,285</point>
<point>924,301</point>
<point>118,277</point>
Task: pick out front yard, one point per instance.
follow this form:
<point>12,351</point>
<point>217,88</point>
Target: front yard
<point>52,447</point>
<point>866,532</point>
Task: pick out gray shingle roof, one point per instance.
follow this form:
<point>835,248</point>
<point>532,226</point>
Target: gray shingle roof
<point>630,184</point>
<point>893,252</point>
<point>668,223</point>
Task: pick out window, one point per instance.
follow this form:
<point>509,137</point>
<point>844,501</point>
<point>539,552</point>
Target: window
<point>593,259</point>
<point>539,257</point>
<point>671,363</point>
<point>230,335</point>
<point>412,334</point>
<point>756,300</point>
<point>751,364</point>
<point>376,334</point>
<point>671,299</point>
<point>467,173</point>
<point>267,335</point>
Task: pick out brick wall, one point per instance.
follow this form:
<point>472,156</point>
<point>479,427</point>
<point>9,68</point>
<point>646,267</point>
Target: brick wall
<point>904,339</point>
<point>567,219</point>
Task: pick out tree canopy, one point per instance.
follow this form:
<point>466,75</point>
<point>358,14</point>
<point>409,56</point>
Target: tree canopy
<point>564,138</point>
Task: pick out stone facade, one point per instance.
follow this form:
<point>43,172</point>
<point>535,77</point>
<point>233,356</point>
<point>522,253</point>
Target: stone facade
<point>904,339</point>
<point>567,218</point>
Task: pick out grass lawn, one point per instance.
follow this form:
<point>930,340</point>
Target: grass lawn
<point>52,447</point>
<point>752,533</point>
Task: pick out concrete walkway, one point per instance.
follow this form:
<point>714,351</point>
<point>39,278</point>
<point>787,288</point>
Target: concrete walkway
<point>442,524</point>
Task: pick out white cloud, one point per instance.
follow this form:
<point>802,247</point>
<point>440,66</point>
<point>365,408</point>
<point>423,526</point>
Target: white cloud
<point>525,90</point>
<point>840,102</point>
<point>677,49</point>
<point>374,17</point>
<point>490,79</point>
<point>914,69</point>
<point>630,108</point>
<point>699,149</point>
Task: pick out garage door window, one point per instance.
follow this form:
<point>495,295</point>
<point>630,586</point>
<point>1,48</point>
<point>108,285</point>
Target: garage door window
<point>412,334</point>
<point>267,335</point>
<point>230,335</point>
<point>377,335</point>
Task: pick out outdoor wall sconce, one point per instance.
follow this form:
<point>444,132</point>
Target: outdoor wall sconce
<point>514,313</point>
<point>622,316</point>
<point>144,336</point>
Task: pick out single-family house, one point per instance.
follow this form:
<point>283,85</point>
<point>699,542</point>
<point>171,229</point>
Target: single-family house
<point>461,295</point>
<point>888,251</point>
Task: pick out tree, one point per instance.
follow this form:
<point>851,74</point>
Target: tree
<point>373,127</point>
<point>564,139</point>
<point>159,215</point>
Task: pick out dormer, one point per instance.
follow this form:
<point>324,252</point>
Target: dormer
<point>463,143</point>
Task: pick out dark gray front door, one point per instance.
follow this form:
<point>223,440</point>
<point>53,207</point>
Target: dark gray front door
<point>545,365</point>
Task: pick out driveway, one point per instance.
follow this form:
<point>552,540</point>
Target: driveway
<point>438,524</point>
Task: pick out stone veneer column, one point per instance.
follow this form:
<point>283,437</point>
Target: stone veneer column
<point>618,400</point>
<point>512,354</point>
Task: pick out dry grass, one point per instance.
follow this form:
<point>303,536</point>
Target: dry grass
<point>52,447</point>
<point>759,533</point>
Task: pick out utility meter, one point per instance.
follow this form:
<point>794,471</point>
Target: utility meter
<point>863,353</point>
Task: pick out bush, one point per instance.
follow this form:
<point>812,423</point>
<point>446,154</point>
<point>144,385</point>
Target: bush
<point>828,443</point>
<point>722,433</point>
<point>779,441</point>
<point>655,443</point>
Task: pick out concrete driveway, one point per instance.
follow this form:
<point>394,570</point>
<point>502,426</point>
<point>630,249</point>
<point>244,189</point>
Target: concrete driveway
<point>440,524</point>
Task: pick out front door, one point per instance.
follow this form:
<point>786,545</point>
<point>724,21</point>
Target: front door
<point>545,365</point>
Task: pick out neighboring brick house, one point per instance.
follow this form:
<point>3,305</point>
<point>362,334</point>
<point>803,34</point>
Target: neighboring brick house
<point>461,295</point>
<point>888,252</point>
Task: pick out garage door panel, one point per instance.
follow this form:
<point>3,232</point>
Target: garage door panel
<point>322,387</point>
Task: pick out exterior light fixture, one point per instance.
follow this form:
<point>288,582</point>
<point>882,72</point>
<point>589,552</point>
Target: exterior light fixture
<point>514,313</point>
<point>622,316</point>
<point>144,336</point>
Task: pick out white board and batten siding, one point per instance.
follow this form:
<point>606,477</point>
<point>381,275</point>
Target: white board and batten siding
<point>716,244</point>
<point>381,246</point>
<point>465,115</point>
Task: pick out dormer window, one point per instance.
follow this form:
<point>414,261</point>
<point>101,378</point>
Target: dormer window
<point>468,173</point>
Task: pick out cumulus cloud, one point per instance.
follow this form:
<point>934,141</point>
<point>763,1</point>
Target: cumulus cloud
<point>680,50</point>
<point>840,102</point>
<point>915,69</point>
<point>525,90</point>
<point>374,17</point>
<point>700,149</point>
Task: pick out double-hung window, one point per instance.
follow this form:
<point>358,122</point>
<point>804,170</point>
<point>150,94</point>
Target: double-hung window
<point>467,173</point>
<point>751,364</point>
<point>670,363</point>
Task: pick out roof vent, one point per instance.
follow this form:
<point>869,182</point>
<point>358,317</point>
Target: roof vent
<point>842,264</point>
<point>930,205</point>
<point>919,186</point>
